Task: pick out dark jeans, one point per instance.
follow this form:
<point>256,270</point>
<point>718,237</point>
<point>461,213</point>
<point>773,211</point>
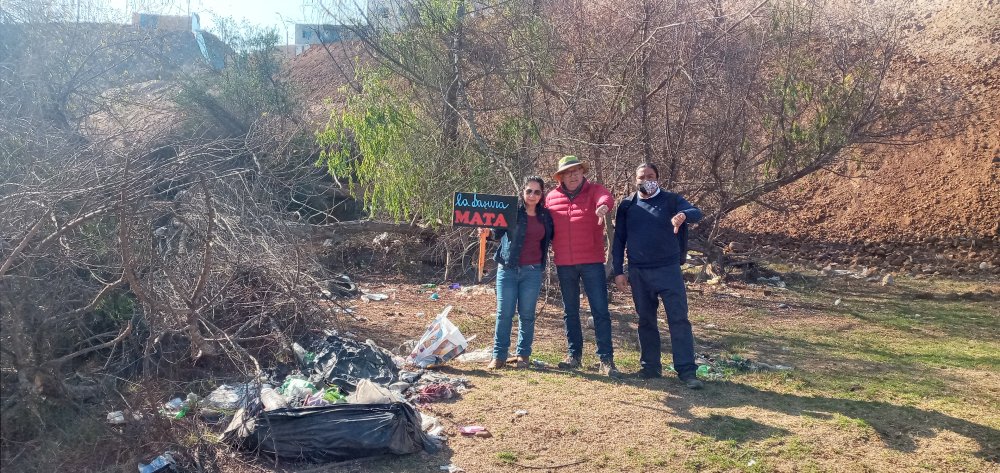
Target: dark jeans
<point>596,286</point>
<point>649,285</point>
<point>517,290</point>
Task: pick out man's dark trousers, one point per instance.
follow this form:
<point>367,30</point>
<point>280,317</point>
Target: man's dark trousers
<point>649,285</point>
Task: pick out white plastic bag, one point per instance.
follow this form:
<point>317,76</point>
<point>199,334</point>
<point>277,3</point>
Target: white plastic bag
<point>441,342</point>
<point>368,392</point>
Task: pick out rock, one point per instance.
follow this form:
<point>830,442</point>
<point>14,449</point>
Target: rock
<point>984,265</point>
<point>888,280</point>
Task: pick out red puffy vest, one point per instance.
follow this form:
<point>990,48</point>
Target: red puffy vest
<point>578,238</point>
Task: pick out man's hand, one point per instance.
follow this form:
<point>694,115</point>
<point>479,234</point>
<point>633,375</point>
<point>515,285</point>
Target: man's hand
<point>621,282</point>
<point>601,212</point>
<point>678,220</point>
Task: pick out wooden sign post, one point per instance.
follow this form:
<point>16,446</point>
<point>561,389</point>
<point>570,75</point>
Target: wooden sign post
<point>484,211</point>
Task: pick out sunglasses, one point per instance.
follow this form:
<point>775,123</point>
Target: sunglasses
<point>532,192</point>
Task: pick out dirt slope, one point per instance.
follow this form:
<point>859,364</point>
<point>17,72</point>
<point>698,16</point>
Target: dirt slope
<point>943,188</point>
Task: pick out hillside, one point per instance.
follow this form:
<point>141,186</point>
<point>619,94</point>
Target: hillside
<point>941,187</point>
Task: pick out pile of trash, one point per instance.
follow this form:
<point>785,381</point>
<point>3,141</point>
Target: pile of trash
<point>342,399</point>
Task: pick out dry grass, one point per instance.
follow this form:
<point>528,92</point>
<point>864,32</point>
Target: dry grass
<point>874,389</point>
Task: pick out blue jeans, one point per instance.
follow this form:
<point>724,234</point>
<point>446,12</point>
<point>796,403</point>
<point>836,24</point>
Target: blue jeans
<point>649,285</point>
<point>595,285</point>
<point>517,289</point>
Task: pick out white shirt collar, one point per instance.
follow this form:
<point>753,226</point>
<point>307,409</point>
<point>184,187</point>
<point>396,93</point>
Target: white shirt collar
<point>650,197</point>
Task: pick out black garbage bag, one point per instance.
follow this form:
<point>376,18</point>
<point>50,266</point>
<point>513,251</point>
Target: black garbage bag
<point>344,362</point>
<point>331,433</point>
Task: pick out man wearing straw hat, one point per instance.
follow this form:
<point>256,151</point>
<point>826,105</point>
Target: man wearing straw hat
<point>578,208</point>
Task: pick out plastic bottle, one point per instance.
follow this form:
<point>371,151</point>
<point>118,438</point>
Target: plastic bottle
<point>703,370</point>
<point>161,463</point>
<point>539,363</point>
<point>272,399</point>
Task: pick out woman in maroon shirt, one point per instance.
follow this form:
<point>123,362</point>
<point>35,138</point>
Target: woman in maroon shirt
<point>520,264</point>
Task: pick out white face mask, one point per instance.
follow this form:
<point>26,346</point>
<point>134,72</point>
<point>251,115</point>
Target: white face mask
<point>649,187</point>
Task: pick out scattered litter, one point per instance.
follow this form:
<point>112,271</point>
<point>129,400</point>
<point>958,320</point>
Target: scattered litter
<point>178,408</point>
<point>428,286</point>
<point>304,357</point>
<point>435,296</point>
<point>434,392</point>
<point>842,272</point>
<point>472,429</point>
<point>478,356</point>
<point>484,434</point>
<point>452,468</point>
<point>478,289</point>
<point>539,363</point>
<point>116,417</point>
<point>410,376</point>
<point>836,302</point>
<point>717,366</point>
<point>520,413</point>
<point>441,342</point>
<point>434,386</point>
<point>711,326</point>
<point>782,306</point>
<point>230,397</point>
<point>399,386</point>
<point>430,424</point>
<point>164,462</point>
<point>752,462</point>
<point>454,286</point>
<point>590,322</point>
<point>420,314</point>
<point>272,399</point>
<point>374,297</point>
<point>368,392</point>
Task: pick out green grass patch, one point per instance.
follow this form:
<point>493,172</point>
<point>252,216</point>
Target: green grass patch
<point>507,456</point>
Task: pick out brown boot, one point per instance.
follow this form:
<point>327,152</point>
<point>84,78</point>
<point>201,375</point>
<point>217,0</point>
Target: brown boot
<point>496,364</point>
<point>519,362</point>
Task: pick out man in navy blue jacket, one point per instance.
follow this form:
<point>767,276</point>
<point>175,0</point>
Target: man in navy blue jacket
<point>648,225</point>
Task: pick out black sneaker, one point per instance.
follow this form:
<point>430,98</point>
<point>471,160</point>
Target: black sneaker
<point>569,363</point>
<point>608,368</point>
<point>693,383</point>
<point>647,374</point>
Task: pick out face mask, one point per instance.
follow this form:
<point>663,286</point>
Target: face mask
<point>648,187</point>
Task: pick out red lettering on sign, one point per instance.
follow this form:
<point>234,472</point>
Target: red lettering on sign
<point>500,221</point>
<point>462,216</point>
<point>477,220</point>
